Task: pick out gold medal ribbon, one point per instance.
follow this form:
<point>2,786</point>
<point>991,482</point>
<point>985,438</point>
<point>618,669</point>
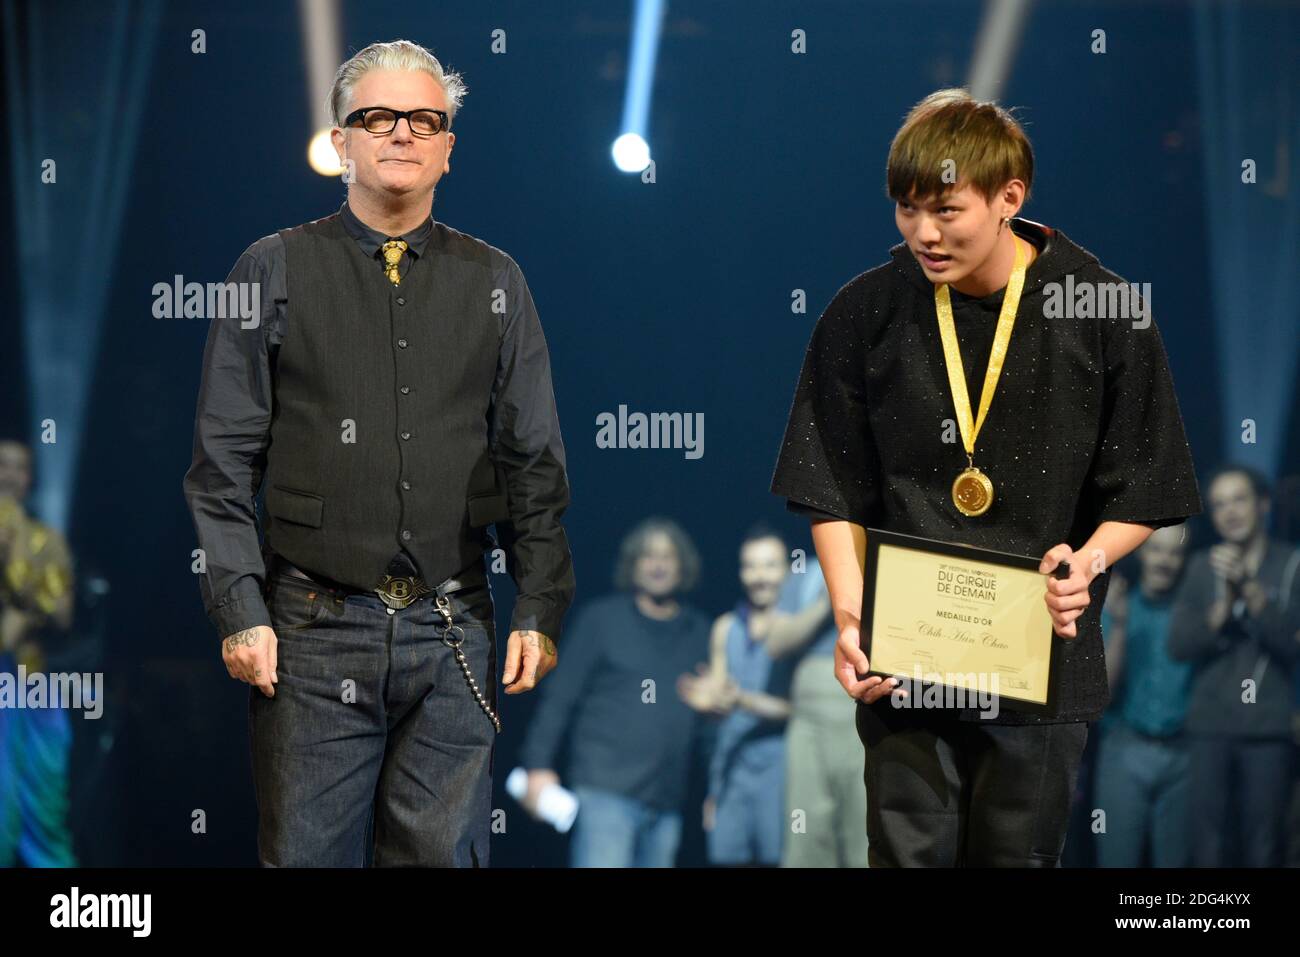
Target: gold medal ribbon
<point>997,355</point>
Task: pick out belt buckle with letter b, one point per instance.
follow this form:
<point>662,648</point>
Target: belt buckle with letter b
<point>399,591</point>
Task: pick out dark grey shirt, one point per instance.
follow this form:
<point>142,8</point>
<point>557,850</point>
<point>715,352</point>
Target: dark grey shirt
<point>233,422</point>
<point>617,739</point>
<point>1264,648</point>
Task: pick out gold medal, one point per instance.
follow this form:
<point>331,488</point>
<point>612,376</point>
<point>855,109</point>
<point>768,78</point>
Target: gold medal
<point>972,490</point>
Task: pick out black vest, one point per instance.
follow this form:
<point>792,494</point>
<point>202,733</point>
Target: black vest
<point>379,431</point>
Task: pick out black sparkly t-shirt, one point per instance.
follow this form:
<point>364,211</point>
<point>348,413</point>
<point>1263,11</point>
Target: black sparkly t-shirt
<point>1084,428</point>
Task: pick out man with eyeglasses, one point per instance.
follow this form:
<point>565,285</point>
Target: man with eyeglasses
<point>394,401</point>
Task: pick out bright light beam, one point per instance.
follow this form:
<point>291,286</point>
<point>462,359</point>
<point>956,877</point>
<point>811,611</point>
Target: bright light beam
<point>631,150</point>
<point>319,21</point>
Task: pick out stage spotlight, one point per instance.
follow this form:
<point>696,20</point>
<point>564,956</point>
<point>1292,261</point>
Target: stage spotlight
<point>321,154</point>
<point>322,48</point>
<point>631,153</point>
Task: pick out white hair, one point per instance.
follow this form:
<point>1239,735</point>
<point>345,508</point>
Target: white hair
<point>394,55</point>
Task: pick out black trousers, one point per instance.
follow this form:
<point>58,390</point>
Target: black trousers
<point>942,792</point>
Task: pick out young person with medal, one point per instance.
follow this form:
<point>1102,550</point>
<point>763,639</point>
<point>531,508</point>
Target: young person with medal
<point>1075,453</point>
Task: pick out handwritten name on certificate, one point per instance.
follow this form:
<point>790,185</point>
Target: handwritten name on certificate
<point>968,624</point>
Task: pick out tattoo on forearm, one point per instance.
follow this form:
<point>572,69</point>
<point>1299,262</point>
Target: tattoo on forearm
<point>247,637</point>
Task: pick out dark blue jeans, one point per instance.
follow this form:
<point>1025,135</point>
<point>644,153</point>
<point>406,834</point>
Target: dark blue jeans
<point>1142,784</point>
<point>613,830</point>
<point>373,731</point>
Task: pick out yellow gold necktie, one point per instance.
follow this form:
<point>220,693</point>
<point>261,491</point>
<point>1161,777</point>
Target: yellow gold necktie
<point>393,250</point>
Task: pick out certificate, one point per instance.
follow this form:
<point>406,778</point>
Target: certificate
<point>963,627</point>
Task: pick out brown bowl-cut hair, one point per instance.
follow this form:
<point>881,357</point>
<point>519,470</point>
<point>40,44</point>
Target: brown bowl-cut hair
<point>986,144</point>
<point>634,543</point>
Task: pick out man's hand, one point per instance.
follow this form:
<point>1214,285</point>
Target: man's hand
<point>727,695</point>
<point>707,694</point>
<point>696,690</point>
<point>1229,563</point>
<point>1066,598</point>
<point>539,657</point>
<point>538,781</point>
<point>851,661</point>
<point>250,655</point>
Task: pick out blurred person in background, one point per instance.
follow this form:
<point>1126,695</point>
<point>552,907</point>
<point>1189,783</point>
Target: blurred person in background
<point>631,739</point>
<point>1140,780</point>
<point>1237,620</point>
<point>36,605</point>
<point>823,754</point>
<point>744,812</point>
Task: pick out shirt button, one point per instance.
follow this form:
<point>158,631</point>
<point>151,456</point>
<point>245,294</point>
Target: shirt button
<point>406,534</point>
<point>401,301</point>
<point>406,435</point>
<point>406,485</point>
<point>402,343</point>
<point>406,390</point>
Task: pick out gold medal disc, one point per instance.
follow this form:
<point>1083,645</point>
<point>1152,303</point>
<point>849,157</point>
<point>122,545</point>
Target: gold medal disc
<point>972,492</point>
